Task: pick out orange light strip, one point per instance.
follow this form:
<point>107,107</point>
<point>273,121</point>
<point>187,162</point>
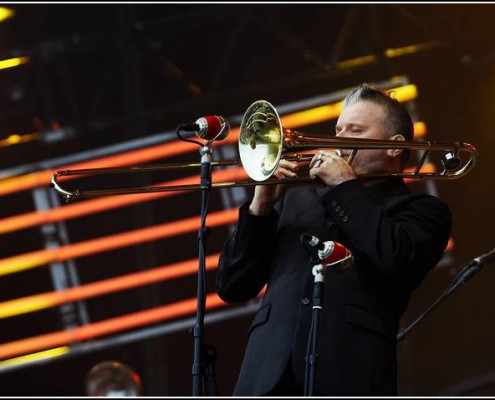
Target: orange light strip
<point>13,62</point>
<point>312,116</point>
<point>419,129</point>
<point>15,138</point>
<point>106,327</point>
<point>211,301</point>
<point>75,210</point>
<point>40,355</point>
<point>401,51</point>
<point>42,178</point>
<point>293,120</point>
<point>41,301</point>
<point>356,62</point>
<point>37,258</point>
<point>425,168</point>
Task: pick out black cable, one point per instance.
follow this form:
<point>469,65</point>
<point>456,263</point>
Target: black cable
<point>177,132</point>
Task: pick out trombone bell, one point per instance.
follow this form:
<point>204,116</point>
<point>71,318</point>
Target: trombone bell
<point>260,140</point>
<point>263,142</point>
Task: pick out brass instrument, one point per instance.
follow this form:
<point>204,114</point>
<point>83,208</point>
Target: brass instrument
<point>263,142</point>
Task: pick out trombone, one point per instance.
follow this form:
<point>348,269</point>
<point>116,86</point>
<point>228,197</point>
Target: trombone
<point>263,142</point>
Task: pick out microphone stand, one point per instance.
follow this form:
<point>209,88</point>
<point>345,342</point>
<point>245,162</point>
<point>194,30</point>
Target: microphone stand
<point>311,354</point>
<point>201,382</point>
<point>197,332</point>
<point>462,277</point>
<point>210,383</point>
<point>321,262</point>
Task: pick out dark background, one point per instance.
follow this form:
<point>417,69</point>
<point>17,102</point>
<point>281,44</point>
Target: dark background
<point>118,72</point>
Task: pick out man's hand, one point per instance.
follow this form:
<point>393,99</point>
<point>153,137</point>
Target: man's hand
<point>265,196</point>
<point>331,168</point>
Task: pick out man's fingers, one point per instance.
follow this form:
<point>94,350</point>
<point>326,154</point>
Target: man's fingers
<point>284,173</point>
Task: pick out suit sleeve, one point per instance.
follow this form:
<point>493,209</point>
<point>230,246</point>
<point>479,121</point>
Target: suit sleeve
<point>408,239</point>
<point>245,260</point>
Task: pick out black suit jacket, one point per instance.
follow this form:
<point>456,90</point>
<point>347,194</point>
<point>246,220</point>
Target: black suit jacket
<point>396,238</point>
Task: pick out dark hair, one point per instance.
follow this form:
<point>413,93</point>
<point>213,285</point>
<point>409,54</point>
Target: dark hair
<point>397,120</point>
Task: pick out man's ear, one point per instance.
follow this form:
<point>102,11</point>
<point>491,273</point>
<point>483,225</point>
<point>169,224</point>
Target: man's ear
<point>395,152</point>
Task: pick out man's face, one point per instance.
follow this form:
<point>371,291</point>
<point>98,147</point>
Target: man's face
<point>364,120</point>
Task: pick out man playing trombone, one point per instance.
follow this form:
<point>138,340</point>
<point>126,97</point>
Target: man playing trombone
<point>395,238</point>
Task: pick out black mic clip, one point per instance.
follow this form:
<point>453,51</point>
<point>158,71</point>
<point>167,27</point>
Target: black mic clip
<point>194,128</point>
<point>475,266</point>
<point>311,250</point>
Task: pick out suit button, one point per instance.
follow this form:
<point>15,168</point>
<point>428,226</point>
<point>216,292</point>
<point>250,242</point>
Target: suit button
<point>337,208</point>
<point>341,213</point>
<point>305,301</point>
<point>345,219</point>
<point>333,203</point>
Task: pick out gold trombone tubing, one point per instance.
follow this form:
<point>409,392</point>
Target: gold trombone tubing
<point>80,194</point>
<point>263,142</point>
<point>311,143</point>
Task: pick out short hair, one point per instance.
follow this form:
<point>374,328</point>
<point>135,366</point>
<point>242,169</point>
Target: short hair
<point>397,120</point>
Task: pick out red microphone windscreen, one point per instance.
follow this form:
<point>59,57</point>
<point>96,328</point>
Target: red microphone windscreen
<point>340,251</point>
<point>335,253</point>
<point>214,126</point>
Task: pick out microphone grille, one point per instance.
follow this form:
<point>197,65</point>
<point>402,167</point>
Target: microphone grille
<point>212,127</point>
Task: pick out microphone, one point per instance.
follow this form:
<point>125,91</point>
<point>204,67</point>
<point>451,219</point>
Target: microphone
<point>484,259</point>
<point>330,253</point>
<point>209,127</point>
<point>475,266</point>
